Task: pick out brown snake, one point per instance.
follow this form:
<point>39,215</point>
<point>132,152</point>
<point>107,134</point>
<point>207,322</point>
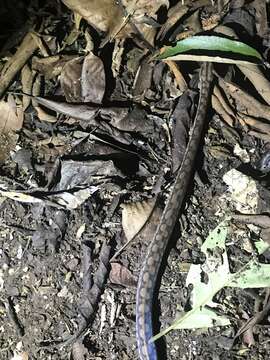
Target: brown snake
<point>157,247</point>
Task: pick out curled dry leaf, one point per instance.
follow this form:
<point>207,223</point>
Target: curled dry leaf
<point>175,13</point>
<point>44,116</point>
<point>142,14</point>
<point>11,118</point>
<point>102,15</point>
<point>85,113</point>
<point>120,275</point>
<point>78,173</point>
<point>135,215</point>
<point>111,17</point>
<point>252,72</point>
<point>50,66</point>
<point>245,103</point>
<point>222,107</point>
<point>81,112</point>
<point>258,80</point>
<point>83,79</point>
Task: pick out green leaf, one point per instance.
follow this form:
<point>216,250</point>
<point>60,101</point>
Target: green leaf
<point>209,43</point>
<point>216,266</point>
<point>255,276</point>
<point>203,318</point>
<point>261,246</point>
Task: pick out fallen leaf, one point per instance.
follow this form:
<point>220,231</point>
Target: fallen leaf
<point>113,18</point>
<point>10,116</point>
<point>83,79</point>
<point>102,15</point>
<point>243,191</point>
<point>211,43</point>
<point>120,275</point>
<point>135,215</point>
<point>216,266</point>
<point>93,79</point>
<point>50,66</point>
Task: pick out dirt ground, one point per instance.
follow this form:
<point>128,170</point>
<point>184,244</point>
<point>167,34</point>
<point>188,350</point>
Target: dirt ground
<point>88,161</point>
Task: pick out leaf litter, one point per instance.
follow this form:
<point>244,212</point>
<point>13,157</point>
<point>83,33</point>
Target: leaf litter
<point>91,125</point>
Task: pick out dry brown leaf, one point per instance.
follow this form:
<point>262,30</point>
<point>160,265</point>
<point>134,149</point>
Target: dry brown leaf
<point>101,14</point>
<point>222,107</point>
<point>81,112</point>
<point>180,80</point>
<point>120,275</point>
<point>93,79</point>
<point>50,66</point>
<point>108,16</point>
<point>70,79</point>
<point>135,215</point>
<point>83,79</point>
<point>36,88</point>
<point>44,116</point>
<point>259,128</point>
<point>10,116</point>
<point>85,113</point>
<point>72,37</point>
<point>244,102</point>
<point>258,80</point>
<point>11,119</point>
<point>252,72</point>
<point>175,13</point>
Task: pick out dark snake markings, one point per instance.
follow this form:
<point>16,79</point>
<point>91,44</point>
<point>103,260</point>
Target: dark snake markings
<point>156,249</point>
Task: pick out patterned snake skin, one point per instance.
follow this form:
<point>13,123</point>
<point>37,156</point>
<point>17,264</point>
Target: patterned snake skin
<point>156,249</point>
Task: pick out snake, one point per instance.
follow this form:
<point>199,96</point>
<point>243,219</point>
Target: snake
<point>157,247</point>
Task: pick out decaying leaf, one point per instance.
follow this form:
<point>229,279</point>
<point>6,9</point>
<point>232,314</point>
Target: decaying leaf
<point>101,14</point>
<point>62,200</point>
<point>11,118</point>
<point>92,79</point>
<point>135,215</point>
<point>112,17</point>
<point>83,79</point>
<point>79,351</point>
<point>120,275</point>
<point>80,173</point>
<point>243,191</point>
<point>50,66</point>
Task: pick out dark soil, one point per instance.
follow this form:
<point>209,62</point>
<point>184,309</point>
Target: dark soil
<point>55,272</point>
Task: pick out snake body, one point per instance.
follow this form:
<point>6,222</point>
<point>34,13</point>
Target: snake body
<point>155,252</point>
